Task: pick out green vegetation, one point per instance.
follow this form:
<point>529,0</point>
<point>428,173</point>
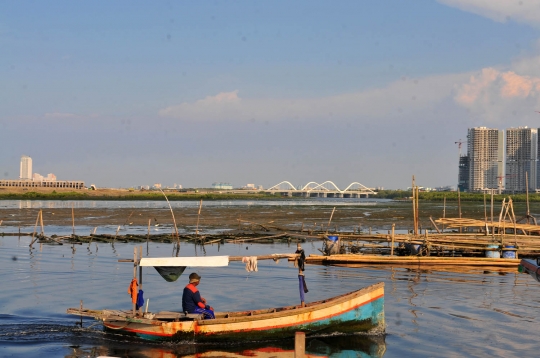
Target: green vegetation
<point>177,196</point>
<point>131,195</point>
<point>453,196</point>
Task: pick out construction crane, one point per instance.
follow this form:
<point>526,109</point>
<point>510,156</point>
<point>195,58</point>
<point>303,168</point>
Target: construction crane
<point>459,143</point>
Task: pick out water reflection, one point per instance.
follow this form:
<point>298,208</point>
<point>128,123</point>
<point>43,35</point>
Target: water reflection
<point>429,312</point>
<point>142,204</point>
<point>334,346</point>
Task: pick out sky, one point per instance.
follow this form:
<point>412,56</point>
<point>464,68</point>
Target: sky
<point>128,93</point>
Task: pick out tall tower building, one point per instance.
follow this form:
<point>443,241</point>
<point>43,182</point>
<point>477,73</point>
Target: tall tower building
<point>485,149</point>
<point>26,167</point>
<point>463,176</point>
<point>521,158</point>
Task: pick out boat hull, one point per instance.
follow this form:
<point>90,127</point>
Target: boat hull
<point>359,311</point>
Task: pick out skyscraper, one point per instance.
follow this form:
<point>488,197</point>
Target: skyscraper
<point>485,149</point>
<point>26,167</point>
<point>464,170</point>
<point>521,158</point>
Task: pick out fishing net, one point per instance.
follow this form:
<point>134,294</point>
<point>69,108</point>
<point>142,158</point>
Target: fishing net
<point>170,273</point>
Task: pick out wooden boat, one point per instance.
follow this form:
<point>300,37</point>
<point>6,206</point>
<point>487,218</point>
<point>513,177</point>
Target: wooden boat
<point>531,267</point>
<point>358,311</point>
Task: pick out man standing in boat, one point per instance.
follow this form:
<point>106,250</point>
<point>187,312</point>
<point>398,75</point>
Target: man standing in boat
<point>192,302</point>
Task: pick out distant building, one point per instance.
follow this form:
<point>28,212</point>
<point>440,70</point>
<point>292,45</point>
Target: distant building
<point>521,159</point>
<point>156,186</point>
<point>444,188</point>
<point>37,177</point>
<point>464,171</point>
<point>250,186</point>
<point>26,168</point>
<point>41,184</point>
<point>485,149</point>
<point>51,177</point>
<point>226,186</point>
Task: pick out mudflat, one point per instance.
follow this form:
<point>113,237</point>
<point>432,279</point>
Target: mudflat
<point>228,214</point>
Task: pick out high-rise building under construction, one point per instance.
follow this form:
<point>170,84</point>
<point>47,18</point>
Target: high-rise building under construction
<point>26,168</point>
<point>485,150</point>
<point>521,159</point>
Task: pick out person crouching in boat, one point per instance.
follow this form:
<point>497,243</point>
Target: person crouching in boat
<point>192,302</point>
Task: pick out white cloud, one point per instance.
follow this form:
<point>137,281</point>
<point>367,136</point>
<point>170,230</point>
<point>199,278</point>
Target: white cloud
<point>499,97</point>
<point>405,96</point>
<point>527,11</point>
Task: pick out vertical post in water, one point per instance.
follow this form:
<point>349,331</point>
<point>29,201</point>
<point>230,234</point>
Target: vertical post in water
<point>148,235</point>
<point>330,220</point>
<point>459,205</point>
<point>393,236</point>
<point>140,273</point>
<point>198,216</point>
<point>73,218</point>
<point>414,206</point>
<point>527,192</point>
<point>299,345</point>
<point>485,215</point>
<point>134,272</point>
<point>41,222</point>
<point>417,212</point>
<point>81,311</point>
<point>444,211</point>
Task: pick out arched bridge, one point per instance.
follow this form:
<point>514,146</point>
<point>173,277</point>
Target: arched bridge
<point>324,190</point>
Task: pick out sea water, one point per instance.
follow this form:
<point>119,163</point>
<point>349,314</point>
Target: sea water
<point>428,312</point>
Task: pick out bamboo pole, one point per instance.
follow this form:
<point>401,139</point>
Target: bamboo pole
<point>73,218</point>
<point>41,222</point>
<point>435,225</point>
<point>414,206</point>
<point>198,216</point>
<point>492,227</point>
<point>417,211</point>
<point>330,220</point>
<point>459,205</point>
<point>135,263</point>
<point>444,210</point>
<point>393,237</point>
<point>527,195</point>
<point>35,229</point>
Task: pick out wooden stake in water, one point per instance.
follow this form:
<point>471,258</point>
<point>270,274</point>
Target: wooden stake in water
<point>135,264</point>
<point>299,345</point>
<point>393,237</point>
<point>492,228</point>
<point>459,205</point>
<point>330,220</point>
<point>444,210</point>
<point>198,217</point>
<point>527,191</point>
<point>414,206</point>
<point>35,229</point>
<point>73,217</point>
<point>41,222</point>
<point>174,220</point>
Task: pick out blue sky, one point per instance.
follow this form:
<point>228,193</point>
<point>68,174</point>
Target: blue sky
<point>129,93</point>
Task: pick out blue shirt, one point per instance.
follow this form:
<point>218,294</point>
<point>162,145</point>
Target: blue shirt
<point>191,299</point>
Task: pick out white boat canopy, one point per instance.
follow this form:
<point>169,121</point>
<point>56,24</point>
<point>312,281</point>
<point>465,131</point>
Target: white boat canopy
<point>201,261</point>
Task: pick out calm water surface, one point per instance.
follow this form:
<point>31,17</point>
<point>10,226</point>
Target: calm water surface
<point>428,313</point>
